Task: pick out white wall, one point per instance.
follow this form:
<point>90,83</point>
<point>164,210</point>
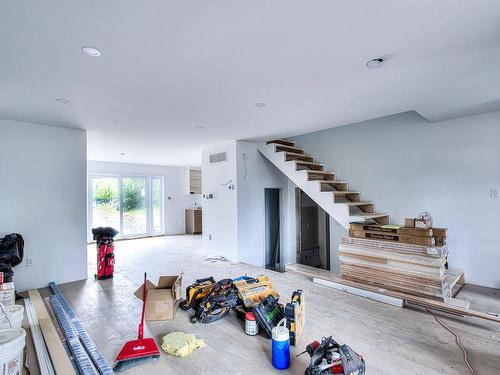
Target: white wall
<point>42,197</point>
<point>220,218</point>
<point>176,199</point>
<point>408,165</point>
<point>234,220</point>
<point>256,173</point>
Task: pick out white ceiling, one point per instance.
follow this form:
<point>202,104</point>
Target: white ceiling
<point>167,66</point>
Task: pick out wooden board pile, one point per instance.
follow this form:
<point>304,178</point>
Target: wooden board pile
<point>398,258</point>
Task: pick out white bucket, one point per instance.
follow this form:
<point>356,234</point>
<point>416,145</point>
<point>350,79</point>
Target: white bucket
<point>12,343</point>
<point>11,316</point>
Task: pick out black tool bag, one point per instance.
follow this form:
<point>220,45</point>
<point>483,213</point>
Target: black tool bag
<point>217,304</point>
<point>11,254</point>
<point>104,233</point>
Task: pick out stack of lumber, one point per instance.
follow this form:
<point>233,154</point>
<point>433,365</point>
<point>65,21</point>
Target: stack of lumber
<point>397,258</point>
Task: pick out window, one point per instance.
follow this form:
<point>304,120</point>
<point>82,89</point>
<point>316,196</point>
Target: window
<point>131,204</point>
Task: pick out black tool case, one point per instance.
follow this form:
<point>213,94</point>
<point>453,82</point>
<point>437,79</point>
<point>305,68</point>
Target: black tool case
<point>268,314</point>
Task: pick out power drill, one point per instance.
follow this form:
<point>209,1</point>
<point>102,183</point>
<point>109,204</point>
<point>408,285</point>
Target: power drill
<point>310,348</point>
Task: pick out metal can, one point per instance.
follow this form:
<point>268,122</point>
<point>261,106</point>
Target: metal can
<point>251,326</point>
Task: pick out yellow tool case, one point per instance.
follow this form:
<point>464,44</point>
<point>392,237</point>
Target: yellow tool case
<point>253,290</point>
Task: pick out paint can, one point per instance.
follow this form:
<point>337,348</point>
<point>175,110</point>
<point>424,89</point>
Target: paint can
<point>281,346</point>
<point>251,326</point>
<point>12,343</point>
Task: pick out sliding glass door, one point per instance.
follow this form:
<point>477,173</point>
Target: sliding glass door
<point>134,208</point>
<point>133,205</point>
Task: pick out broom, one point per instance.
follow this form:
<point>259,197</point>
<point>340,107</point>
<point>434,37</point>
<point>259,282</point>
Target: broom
<point>137,351</point>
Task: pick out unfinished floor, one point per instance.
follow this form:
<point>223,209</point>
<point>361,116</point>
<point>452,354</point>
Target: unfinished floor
<point>392,340</point>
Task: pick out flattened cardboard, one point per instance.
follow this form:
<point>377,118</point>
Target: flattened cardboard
<point>163,299</point>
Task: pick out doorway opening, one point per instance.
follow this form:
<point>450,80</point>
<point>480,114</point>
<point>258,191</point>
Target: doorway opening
<point>313,232</point>
<point>272,229</point>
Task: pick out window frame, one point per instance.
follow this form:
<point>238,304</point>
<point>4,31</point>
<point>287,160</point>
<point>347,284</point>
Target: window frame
<point>149,203</point>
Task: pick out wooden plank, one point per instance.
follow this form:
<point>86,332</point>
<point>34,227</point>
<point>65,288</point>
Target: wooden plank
<point>423,259</point>
<point>398,302</point>
<point>60,360</point>
<point>372,244</point>
<point>421,301</point>
<point>365,257</point>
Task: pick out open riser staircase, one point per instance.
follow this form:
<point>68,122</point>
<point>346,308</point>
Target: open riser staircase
<point>333,196</point>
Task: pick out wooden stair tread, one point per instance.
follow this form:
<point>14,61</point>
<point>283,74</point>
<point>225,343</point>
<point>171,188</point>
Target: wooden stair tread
<point>308,163</point>
<point>283,142</point>
<point>322,172</point>
<point>338,182</point>
<point>342,192</point>
<point>289,149</point>
<point>359,203</point>
<point>372,215</point>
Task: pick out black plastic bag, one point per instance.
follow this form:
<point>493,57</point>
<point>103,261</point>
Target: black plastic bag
<point>11,254</point>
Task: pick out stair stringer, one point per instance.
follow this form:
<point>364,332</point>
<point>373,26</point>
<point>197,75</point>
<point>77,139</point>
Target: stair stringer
<point>338,211</point>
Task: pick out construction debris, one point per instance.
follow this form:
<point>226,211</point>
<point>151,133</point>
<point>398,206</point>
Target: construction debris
<point>181,344</point>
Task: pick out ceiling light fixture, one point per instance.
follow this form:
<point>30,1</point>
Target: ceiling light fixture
<point>62,100</point>
<point>91,51</point>
<point>260,105</point>
<point>375,63</point>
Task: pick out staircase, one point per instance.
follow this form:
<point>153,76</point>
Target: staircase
<point>333,196</point>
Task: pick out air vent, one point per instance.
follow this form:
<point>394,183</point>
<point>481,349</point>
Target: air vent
<point>218,157</point>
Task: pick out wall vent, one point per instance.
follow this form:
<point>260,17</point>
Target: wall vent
<point>218,157</point>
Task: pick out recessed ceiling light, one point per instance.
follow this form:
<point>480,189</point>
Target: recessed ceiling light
<point>122,154</point>
<point>199,127</point>
<point>375,63</point>
<point>91,51</point>
<point>260,105</point>
<point>62,100</point>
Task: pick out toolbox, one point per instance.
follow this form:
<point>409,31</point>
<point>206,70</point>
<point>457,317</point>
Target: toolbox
<point>295,316</point>
<point>253,290</point>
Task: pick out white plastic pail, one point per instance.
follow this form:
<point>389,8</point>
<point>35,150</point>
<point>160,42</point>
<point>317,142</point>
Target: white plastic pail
<point>12,343</point>
<point>11,316</point>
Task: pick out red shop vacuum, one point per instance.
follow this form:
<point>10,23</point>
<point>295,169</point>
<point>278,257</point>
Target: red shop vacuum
<point>105,251</point>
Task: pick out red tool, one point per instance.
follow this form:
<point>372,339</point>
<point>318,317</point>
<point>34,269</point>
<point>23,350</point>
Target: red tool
<point>310,348</point>
<point>137,351</point>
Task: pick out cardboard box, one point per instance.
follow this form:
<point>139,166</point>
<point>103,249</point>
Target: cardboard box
<point>163,298</point>
<point>410,223</point>
<point>411,240</point>
<point>398,229</point>
<point>440,235</point>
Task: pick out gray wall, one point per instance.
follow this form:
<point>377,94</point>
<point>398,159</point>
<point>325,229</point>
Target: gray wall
<point>256,173</point>
<point>408,165</point>
<point>42,197</point>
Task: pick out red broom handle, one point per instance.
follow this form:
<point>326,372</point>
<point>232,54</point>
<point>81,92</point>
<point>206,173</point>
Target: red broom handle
<point>141,325</point>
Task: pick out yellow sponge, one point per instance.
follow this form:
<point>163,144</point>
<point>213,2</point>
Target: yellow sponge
<point>181,344</point>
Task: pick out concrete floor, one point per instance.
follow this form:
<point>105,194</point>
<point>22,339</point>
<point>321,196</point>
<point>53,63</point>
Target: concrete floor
<point>392,340</point>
